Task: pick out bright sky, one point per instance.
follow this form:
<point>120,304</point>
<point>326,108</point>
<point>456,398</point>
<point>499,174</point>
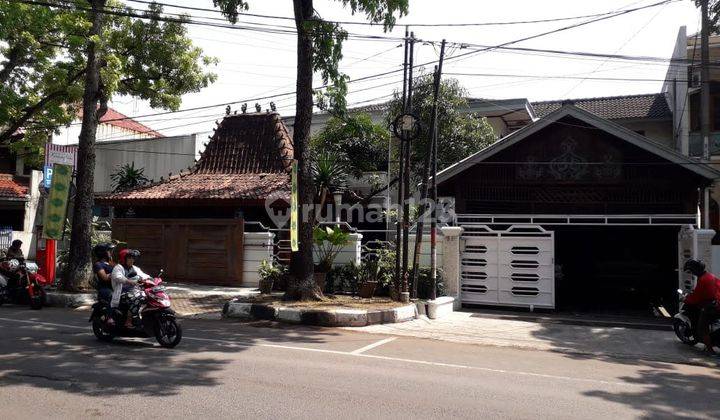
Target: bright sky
<point>256,64</point>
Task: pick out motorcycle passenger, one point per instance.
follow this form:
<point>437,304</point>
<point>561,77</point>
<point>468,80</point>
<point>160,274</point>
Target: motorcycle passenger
<point>15,250</point>
<point>102,269</point>
<point>705,298</point>
<point>124,282</point>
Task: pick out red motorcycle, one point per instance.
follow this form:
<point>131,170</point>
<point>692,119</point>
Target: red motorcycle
<point>20,283</point>
<point>157,318</point>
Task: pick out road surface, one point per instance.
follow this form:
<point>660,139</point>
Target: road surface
<point>51,366</point>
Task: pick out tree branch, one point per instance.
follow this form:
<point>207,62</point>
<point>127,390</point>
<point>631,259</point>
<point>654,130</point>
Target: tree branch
<point>30,111</point>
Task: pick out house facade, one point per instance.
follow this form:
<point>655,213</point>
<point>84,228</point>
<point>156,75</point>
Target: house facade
<point>192,223</point>
<point>574,211</point>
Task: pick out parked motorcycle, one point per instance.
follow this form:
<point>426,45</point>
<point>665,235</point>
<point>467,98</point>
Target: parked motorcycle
<point>157,318</point>
<point>684,324</point>
<point>20,283</point>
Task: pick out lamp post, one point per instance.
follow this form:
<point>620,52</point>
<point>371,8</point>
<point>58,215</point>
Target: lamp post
<point>337,198</point>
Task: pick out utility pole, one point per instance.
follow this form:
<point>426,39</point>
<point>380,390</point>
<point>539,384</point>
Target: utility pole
<point>433,190</point>
<point>705,97</point>
<point>406,176</point>
<point>429,165</point>
<point>400,192</point>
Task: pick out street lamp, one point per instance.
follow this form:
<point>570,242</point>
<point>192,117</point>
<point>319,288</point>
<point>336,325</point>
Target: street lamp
<point>337,197</point>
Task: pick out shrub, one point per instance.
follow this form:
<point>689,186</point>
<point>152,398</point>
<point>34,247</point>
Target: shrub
<point>268,270</point>
<point>424,282</point>
<point>343,279</point>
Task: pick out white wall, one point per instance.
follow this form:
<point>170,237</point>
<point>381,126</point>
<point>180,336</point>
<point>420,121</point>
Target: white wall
<point>677,93</point>
<point>158,157</point>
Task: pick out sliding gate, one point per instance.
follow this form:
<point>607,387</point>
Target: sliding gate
<point>514,267</point>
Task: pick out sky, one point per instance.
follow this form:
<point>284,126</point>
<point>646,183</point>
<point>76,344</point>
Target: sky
<point>256,64</point>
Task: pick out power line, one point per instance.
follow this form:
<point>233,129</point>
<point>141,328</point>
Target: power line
<point>550,76</point>
<point>454,24</point>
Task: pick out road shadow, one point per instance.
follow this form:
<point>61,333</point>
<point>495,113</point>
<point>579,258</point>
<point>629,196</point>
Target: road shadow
<point>664,387</point>
<point>72,360</point>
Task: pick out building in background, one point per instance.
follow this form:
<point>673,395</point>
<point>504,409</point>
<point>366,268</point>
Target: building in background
<point>19,202</point>
<point>113,126</point>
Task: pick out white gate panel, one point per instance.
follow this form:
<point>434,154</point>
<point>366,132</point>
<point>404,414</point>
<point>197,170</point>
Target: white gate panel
<point>479,269</point>
<point>511,268</point>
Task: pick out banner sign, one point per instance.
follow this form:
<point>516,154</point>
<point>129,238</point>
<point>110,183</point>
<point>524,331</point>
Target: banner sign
<point>62,155</point>
<point>294,208</point>
<point>57,201</point>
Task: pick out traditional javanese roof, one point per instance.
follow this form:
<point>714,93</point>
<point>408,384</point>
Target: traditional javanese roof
<point>247,160</point>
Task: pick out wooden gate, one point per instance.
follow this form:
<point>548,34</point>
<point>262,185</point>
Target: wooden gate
<point>207,251</point>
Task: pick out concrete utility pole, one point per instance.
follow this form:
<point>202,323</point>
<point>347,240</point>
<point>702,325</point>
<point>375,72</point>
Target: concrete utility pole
<point>705,79</point>
<point>401,192</point>
<point>705,99</point>
<point>430,165</point>
<point>406,176</point>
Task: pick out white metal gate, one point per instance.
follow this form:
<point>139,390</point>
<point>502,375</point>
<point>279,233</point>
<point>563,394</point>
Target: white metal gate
<point>515,267</point>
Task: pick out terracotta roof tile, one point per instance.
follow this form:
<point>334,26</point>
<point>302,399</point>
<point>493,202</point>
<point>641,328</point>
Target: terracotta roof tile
<point>12,187</point>
<point>650,106</point>
<point>247,159</point>
<point>117,119</point>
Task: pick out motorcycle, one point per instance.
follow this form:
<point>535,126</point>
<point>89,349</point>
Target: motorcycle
<point>20,283</point>
<point>684,324</point>
<point>157,318</point>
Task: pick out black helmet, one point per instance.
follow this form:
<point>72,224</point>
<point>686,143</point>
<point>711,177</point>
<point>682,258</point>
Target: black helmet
<point>100,251</point>
<point>694,267</point>
<point>17,243</point>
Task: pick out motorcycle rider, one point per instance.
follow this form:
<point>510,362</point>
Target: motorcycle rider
<point>15,250</point>
<point>102,269</point>
<point>125,278</point>
<point>705,298</point>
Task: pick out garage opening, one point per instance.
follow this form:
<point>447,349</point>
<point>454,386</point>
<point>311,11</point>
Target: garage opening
<point>616,270</point>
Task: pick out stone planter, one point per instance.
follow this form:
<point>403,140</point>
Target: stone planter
<point>266,286</point>
<point>367,289</point>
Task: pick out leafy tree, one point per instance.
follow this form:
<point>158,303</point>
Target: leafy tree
<point>128,177</point>
<point>460,133</point>
<point>357,140</point>
<point>123,54</point>
<point>40,73</point>
<point>319,49</point>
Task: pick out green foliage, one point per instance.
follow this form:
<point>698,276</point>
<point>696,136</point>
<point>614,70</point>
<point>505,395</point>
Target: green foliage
<point>424,286</point>
<point>349,277</point>
<point>44,51</point>
<point>361,144</point>
<point>269,270</point>
<point>329,173</point>
<point>128,177</point>
<point>460,133</point>
<point>328,242</point>
<point>343,279</point>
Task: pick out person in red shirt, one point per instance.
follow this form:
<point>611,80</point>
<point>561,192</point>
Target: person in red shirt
<point>705,296</point>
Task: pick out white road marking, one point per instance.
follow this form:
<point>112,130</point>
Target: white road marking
<point>353,354</point>
<point>373,345</point>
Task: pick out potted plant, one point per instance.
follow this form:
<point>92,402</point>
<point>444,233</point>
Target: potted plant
<point>327,243</point>
<point>269,273</point>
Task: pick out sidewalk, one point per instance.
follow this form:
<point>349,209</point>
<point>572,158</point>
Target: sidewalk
<point>198,301</point>
<point>541,334</point>
<point>188,300</point>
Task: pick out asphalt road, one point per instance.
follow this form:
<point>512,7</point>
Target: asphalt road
<point>51,366</point>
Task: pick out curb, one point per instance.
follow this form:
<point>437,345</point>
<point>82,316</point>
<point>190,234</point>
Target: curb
<point>69,300</point>
<point>324,318</point>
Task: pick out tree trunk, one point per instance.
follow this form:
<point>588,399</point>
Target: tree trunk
<point>79,270</point>
<point>302,283</point>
